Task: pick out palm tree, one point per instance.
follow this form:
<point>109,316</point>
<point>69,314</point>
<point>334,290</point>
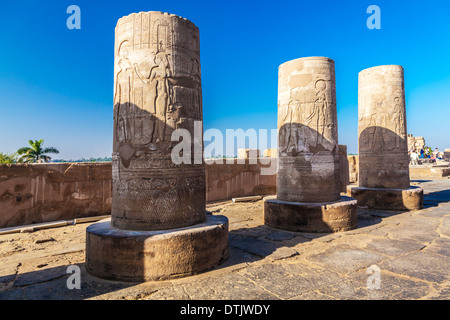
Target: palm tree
<point>36,152</point>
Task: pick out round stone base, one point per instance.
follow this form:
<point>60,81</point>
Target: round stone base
<point>138,256</point>
<point>341,215</point>
<point>388,199</point>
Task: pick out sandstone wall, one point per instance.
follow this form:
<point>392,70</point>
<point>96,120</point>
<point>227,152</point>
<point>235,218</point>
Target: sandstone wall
<point>353,162</point>
<point>226,181</point>
<point>34,193</point>
<point>422,172</point>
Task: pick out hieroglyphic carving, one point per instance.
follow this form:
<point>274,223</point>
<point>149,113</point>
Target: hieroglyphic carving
<point>162,35</point>
<point>308,126</point>
<point>383,154</point>
<point>157,85</point>
<point>398,118</point>
<point>307,141</point>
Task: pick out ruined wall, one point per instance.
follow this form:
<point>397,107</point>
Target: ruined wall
<point>353,162</point>
<point>415,143</point>
<point>422,172</point>
<point>34,193</point>
<point>226,181</point>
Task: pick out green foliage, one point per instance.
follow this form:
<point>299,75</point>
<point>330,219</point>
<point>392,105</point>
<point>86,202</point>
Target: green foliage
<point>8,158</point>
<point>100,159</point>
<point>35,152</point>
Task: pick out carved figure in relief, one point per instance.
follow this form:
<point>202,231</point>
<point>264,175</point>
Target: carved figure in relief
<point>290,135</point>
<point>159,96</point>
<point>376,127</point>
<point>163,97</point>
<point>122,94</point>
<point>195,73</point>
<point>320,113</point>
<point>398,120</point>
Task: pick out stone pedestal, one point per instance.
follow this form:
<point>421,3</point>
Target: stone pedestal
<point>334,216</point>
<point>308,179</point>
<point>388,199</point>
<point>383,147</point>
<point>158,194</point>
<point>136,256</point>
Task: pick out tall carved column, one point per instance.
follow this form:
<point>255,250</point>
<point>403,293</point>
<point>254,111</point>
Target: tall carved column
<point>157,90</point>
<point>308,180</point>
<point>383,147</point>
<point>158,227</point>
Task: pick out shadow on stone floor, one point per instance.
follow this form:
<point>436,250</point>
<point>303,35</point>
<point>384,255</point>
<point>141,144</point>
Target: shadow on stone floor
<point>246,244</point>
<point>53,284</point>
<point>433,199</point>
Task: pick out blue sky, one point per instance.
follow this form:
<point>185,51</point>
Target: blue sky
<point>56,84</point>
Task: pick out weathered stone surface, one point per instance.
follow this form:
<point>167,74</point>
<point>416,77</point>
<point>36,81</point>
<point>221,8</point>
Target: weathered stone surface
<point>413,247</point>
<point>353,168</point>
<point>35,193</point>
<point>393,247</point>
<point>158,227</point>
<point>447,154</point>
<point>312,168</point>
<point>344,174</point>
<point>157,90</point>
<point>335,216</point>
<point>415,143</point>
<point>429,172</point>
<point>420,265</point>
<point>230,180</point>
<point>308,155</point>
<point>388,199</point>
<point>383,150</point>
<point>155,255</point>
<point>346,259</point>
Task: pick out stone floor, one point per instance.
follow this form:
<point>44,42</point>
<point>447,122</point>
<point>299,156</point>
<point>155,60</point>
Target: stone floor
<point>411,250</point>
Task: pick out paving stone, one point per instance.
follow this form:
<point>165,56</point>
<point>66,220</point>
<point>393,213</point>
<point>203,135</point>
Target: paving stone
<point>169,293</point>
<point>12,294</point>
<point>312,295</point>
<point>281,235</point>
<point>391,288</point>
<point>411,248</point>
<point>445,226</point>
<point>437,212</point>
<point>282,253</point>
<point>290,280</point>
<point>440,246</point>
<point>418,229</point>
<point>43,275</point>
<point>227,287</point>
<point>345,259</point>
<point>420,265</point>
<point>258,247</point>
<point>392,247</point>
<point>57,290</point>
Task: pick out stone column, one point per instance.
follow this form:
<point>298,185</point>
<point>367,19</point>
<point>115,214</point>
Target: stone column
<point>308,180</point>
<point>383,145</point>
<point>157,90</point>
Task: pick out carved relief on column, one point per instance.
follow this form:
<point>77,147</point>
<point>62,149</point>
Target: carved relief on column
<point>308,157</point>
<point>383,149</point>
<point>157,89</point>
